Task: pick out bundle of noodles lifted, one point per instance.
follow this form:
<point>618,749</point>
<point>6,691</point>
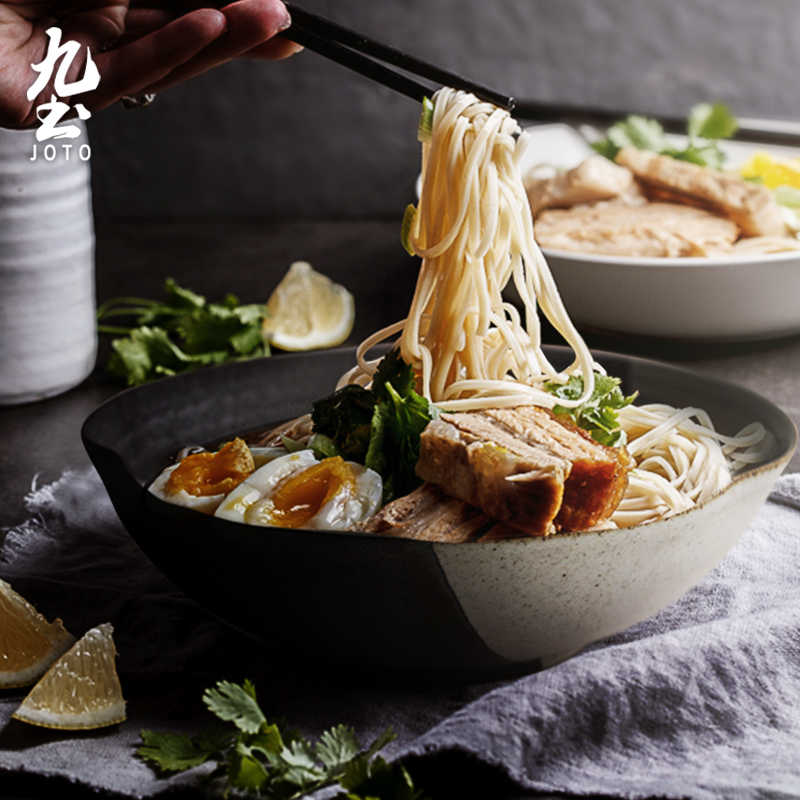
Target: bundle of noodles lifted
<point>465,431</point>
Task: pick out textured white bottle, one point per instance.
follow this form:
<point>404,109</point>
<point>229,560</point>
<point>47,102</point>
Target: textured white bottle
<point>48,338</point>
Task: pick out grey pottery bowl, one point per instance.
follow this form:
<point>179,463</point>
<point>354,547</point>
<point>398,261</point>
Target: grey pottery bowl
<point>439,613</point>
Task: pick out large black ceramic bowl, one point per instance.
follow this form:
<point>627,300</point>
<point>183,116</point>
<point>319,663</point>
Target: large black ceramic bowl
<point>444,613</point>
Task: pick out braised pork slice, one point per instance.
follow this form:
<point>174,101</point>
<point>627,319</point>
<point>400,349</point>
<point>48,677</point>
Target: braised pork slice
<point>594,179</point>
<point>752,207</point>
<point>428,513</point>
<point>654,230</point>
<point>524,467</point>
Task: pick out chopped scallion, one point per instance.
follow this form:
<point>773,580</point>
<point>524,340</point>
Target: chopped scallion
<point>425,121</point>
<point>405,229</point>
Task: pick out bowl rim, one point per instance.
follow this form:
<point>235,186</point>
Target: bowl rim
<point>710,262</point>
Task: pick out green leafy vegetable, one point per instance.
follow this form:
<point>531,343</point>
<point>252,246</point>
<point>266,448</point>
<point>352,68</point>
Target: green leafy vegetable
<point>424,130</point>
<point>706,125</point>
<point>405,229</point>
<point>393,373</point>
<point>393,451</point>
<point>345,417</point>
<point>176,752</point>
<point>379,427</point>
<point>711,121</point>
<point>598,415</point>
<point>181,334</point>
<point>266,759</point>
<point>236,704</point>
<point>425,120</point>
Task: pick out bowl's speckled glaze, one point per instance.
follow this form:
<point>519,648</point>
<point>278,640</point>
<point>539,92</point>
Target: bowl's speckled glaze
<point>439,613</point>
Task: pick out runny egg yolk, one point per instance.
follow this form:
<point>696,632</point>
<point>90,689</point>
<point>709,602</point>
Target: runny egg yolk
<point>206,474</point>
<point>301,496</point>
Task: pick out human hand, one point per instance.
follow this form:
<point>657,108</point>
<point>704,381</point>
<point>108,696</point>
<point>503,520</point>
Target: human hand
<point>139,46</point>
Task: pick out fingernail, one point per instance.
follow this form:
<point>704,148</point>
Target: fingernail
<point>287,23</point>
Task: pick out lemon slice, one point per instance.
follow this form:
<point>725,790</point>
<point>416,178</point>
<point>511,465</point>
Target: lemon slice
<point>29,644</point>
<point>81,690</point>
<point>308,310</point>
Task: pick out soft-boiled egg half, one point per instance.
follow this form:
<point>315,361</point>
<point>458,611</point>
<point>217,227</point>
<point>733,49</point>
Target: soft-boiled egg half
<point>202,479</point>
<point>297,491</point>
<point>180,497</point>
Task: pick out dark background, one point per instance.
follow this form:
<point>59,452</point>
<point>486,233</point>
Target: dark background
<point>306,139</point>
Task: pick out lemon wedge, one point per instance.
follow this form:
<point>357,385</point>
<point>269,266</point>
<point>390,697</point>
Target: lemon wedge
<point>81,690</point>
<point>308,310</point>
<point>29,644</point>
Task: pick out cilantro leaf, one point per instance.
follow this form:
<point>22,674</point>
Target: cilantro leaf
<point>598,415</point>
<point>365,780</point>
<point>236,704</point>
<point>393,371</point>
<point>639,132</point>
<point>246,772</point>
<point>176,752</point>
<point>182,298</point>
<point>148,353</point>
<point>322,446</point>
<point>267,741</point>
<point>265,759</point>
<point>711,121</point>
<point>337,747</point>
<point>393,450</point>
<point>300,768</point>
<point>706,125</point>
<point>182,334</point>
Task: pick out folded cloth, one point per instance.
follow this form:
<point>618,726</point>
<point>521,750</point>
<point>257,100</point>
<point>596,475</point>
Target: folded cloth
<point>702,700</point>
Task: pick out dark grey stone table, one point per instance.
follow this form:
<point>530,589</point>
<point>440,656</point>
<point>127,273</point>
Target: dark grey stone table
<point>39,441</point>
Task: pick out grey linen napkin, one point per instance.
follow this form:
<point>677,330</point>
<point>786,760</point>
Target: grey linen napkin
<point>701,700</point>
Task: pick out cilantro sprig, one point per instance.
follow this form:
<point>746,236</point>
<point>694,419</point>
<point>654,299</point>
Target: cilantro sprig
<point>378,427</point>
<point>706,125</point>
<point>264,759</point>
<point>598,415</point>
<point>180,334</point>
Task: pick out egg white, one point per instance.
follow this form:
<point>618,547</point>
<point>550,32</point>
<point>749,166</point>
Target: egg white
<point>206,504</point>
<point>245,502</point>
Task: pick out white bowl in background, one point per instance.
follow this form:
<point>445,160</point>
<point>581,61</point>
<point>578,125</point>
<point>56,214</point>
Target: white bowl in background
<point>730,298</point>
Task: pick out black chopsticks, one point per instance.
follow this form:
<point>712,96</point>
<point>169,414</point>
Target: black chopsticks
<point>364,55</point>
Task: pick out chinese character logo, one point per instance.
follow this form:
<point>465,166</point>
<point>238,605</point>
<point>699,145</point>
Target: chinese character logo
<point>51,113</point>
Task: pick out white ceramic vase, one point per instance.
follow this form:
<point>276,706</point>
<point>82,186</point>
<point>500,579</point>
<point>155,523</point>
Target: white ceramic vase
<point>48,338</point>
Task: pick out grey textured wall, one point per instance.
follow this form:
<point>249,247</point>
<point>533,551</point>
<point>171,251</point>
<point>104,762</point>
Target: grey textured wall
<point>307,139</point>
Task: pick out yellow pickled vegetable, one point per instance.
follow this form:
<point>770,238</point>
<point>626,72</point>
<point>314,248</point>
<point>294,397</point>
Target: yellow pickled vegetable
<point>772,172</point>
